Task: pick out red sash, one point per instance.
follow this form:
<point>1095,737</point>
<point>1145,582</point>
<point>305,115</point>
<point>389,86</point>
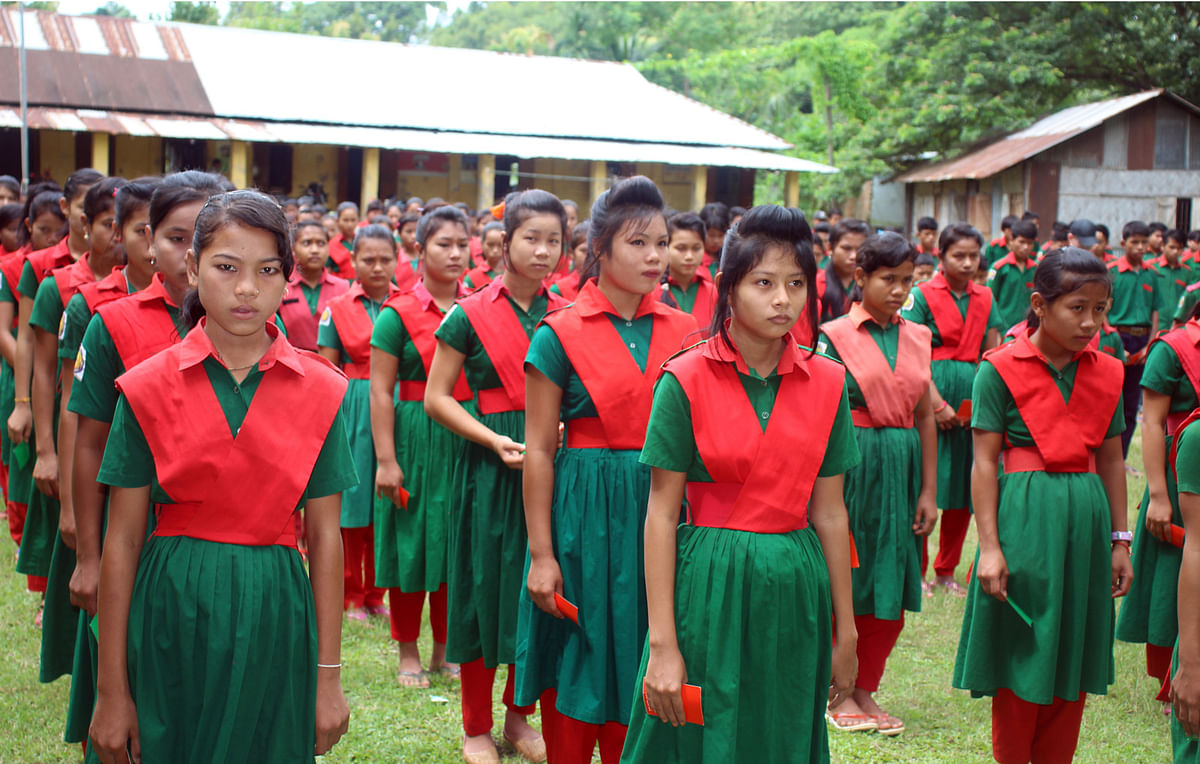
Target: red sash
<point>505,342</point>
<point>354,324</point>
<point>140,325</point>
<point>70,278</point>
<point>1173,456</point>
<point>891,395</point>
<point>479,278</point>
<point>205,468</point>
<point>11,266</point>
<point>1185,341</point>
<point>112,287</point>
<point>744,462</point>
<point>406,276</point>
<point>46,260</point>
<point>607,370</point>
<point>298,319</point>
<point>568,286</point>
<point>1065,434</point>
<point>421,322</point>
<point>961,337</point>
<point>342,257</point>
<point>706,298</point>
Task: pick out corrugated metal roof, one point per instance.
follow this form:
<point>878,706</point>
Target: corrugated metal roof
<point>1038,137</point>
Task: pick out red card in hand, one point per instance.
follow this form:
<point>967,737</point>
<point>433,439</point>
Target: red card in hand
<point>566,608</point>
<point>693,709</point>
<point>964,411</point>
<point>1177,534</point>
<point>403,496</point>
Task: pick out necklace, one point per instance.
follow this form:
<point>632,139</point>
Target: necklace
<point>241,368</point>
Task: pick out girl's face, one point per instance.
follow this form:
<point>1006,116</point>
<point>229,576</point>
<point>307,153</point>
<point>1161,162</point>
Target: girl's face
<point>331,226</point>
<point>536,246</point>
<point>46,230</point>
<point>922,273</point>
<point>493,246</point>
<point>714,239</point>
<point>637,255</point>
<point>844,256</point>
<point>171,241</point>
<point>73,209</point>
<point>687,252</point>
<point>960,261</point>
<point>885,290</point>
<point>311,249</point>
<point>927,237</point>
<point>579,256</point>
<point>240,279</point>
<point>394,214</point>
<point>771,296</point>
<point>572,216</point>
<point>446,252</point>
<point>135,238</point>
<point>102,234</point>
<point>10,235</point>
<point>1073,319</point>
<point>408,236</point>
<point>347,222</point>
<point>374,265</point>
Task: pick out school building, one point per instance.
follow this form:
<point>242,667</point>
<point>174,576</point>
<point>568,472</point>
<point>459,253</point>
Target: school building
<point>1136,157</point>
<point>361,119</point>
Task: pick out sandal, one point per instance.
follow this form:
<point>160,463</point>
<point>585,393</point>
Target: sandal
<point>530,749</point>
<point>847,722</point>
<point>414,680</point>
<point>883,718</point>
<point>357,614</point>
<point>952,587</point>
<point>447,672</point>
<point>379,611</point>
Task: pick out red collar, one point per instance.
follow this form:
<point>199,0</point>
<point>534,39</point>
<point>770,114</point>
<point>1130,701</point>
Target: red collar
<point>790,360</point>
<point>356,290</point>
<point>592,302</point>
<point>858,315</point>
<point>496,288</point>
<point>702,275</point>
<point>939,282</point>
<point>1124,266</point>
<point>1023,347</point>
<point>326,278</point>
<point>197,346</point>
<point>421,292</point>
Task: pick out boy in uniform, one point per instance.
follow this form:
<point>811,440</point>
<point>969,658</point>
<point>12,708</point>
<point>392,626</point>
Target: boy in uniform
<point>1134,315</point>
<point>1011,277</point>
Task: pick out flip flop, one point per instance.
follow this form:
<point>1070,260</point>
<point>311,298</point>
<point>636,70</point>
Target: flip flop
<point>856,722</point>
<point>953,587</point>
<point>446,671</point>
<point>421,677</point>
<point>890,731</point>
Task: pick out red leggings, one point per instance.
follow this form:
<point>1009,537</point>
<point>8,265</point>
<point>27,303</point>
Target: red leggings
<point>876,638</point>
<point>477,682</point>
<point>570,741</point>
<point>16,525</point>
<point>1158,665</point>
<point>952,532</point>
<point>359,555</point>
<point>1024,732</point>
<point>406,614</point>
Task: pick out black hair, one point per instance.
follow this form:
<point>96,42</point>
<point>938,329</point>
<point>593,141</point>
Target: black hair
<point>42,199</point>
<point>924,258</point>
<point>415,200</point>
<point>1101,228</point>
<point>395,203</point>
<point>1195,312</point>
<point>431,222</point>
<point>1194,236</point>
<point>579,234</point>
<point>1177,236</point>
<point>10,212</point>
<point>716,215</point>
<point>1029,215</point>
<point>307,224</point>
<point>822,227</point>
<point>184,188</point>
<point>80,181</point>
<point>956,232</point>
<point>11,183</point>
<point>251,209</point>
<point>495,225</point>
<point>847,226</point>
<point>321,210</point>
<point>571,203</point>
<point>884,250</point>
<point>437,201</point>
<point>466,208</point>
<point>374,205</point>
<point>520,207</point>
<point>406,218</point>
<point>133,196</point>
<point>1160,227</point>
<point>1062,271</point>
<point>346,206</point>
<point>927,224</point>
<point>1134,228</point>
<point>629,201</point>
<point>380,220</point>
<point>736,211</point>
<point>1025,229</point>
<point>1009,221</point>
<point>761,228</point>
<point>687,221</point>
<point>1059,232</point>
<point>381,232</point>
<point>101,198</point>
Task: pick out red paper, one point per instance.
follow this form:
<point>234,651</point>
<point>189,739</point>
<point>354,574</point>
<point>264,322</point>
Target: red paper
<point>1177,534</point>
<point>964,411</point>
<point>693,708</point>
<point>853,553</point>
<point>566,608</point>
<point>403,494</point>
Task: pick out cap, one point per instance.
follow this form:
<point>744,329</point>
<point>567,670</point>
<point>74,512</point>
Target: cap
<point>1084,230</point>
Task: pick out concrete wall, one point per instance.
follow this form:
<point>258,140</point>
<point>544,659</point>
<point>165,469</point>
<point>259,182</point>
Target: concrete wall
<point>133,156</point>
<point>315,163</point>
<point>56,155</point>
<point>1114,197</point>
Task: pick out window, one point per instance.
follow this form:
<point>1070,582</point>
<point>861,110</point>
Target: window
<point>1170,138</point>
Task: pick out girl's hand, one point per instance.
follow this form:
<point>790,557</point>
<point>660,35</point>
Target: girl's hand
<point>545,578</point>
<point>20,423</point>
<point>1158,519</point>
<point>388,480</point>
<point>45,474</point>
<point>993,574</point>
<point>926,517</point>
<point>66,524</point>
<point>114,729</point>
<point>1122,570</point>
<point>946,418</point>
<point>510,452</point>
<point>333,713</point>
<point>663,685</point>
<point>1185,699</point>
<point>85,583</point>
<point>845,671</point>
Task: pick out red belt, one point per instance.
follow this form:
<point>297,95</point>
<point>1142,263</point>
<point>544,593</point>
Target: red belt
<point>1029,459</point>
<point>174,519</point>
<point>496,400</point>
<point>357,370</point>
<point>586,432</point>
<point>710,505</point>
<point>412,389</point>
<point>861,418</point>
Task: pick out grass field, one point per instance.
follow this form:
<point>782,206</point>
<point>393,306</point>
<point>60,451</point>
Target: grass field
<point>390,724</point>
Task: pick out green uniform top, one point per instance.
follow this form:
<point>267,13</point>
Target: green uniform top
<point>327,333</point>
<point>993,252</point>
<point>1164,374</point>
<point>1172,282</point>
<point>1111,343</point>
<point>7,293</point>
<point>1187,459</point>
<point>671,441</point>
<point>47,306</point>
<point>129,463</point>
<point>887,338</point>
<point>1011,288</point>
<point>1134,294</point>
<point>312,294</point>
<point>993,408</point>
<point>916,309</point>
<point>685,299</point>
<point>547,355</point>
<point>94,391</point>
<point>1183,309</point>
<point>390,336</point>
<point>457,332</point>
<point>75,323</point>
<point>28,285</point>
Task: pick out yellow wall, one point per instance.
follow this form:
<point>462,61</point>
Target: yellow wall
<point>56,156</point>
<point>316,163</point>
<point>415,183</point>
<point>134,156</point>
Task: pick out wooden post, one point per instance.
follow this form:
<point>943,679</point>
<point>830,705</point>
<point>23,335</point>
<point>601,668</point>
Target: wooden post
<point>100,153</point>
<point>485,177</point>
<point>699,187</point>
<point>370,177</point>
<point>791,188</point>
<point>599,180</point>
<point>239,163</point>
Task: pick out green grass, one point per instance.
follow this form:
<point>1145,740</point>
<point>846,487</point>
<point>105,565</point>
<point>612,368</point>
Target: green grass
<point>390,724</point>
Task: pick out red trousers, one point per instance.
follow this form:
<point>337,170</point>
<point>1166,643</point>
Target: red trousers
<point>406,614</point>
<point>876,638</point>
<point>952,531</point>
<point>358,545</point>
<point>16,525</point>
<point>570,741</point>
<point>1024,732</point>
<point>1158,665</point>
<point>477,681</point>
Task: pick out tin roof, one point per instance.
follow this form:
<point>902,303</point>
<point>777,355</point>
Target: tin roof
<point>1041,135</point>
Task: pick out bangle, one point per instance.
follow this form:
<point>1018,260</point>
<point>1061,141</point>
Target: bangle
<point>939,408</point>
<point>22,400</point>
<point>1124,543</point>
<point>329,665</point>
<point>1122,536</point>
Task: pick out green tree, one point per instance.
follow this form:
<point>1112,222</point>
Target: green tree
<point>194,13</point>
<point>115,9</point>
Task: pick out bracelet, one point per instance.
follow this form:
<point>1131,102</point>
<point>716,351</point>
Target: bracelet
<point>1122,536</point>
<point>22,400</point>
<point>939,408</point>
<point>329,665</point>
<point>1124,543</point>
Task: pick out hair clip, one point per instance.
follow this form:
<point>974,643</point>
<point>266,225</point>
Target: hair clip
<point>498,211</point>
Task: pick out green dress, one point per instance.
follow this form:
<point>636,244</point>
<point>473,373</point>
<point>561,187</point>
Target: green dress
<point>1187,750</point>
<point>753,612</point>
<point>487,514</point>
<point>1148,614</point>
<point>222,637</point>
<point>1054,531</point>
<point>598,512</point>
<point>6,386</point>
<point>881,498</point>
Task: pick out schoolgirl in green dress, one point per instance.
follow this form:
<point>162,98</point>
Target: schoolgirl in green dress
<point>215,643</point>
<point>592,365</point>
<point>1037,633</point>
<point>1185,681</point>
<point>757,555</point>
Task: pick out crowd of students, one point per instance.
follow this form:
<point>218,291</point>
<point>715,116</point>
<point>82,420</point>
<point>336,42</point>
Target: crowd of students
<point>563,435</point>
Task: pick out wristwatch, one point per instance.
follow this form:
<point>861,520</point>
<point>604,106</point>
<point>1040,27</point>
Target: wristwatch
<point>1122,536</point>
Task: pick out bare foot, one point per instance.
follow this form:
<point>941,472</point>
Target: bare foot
<point>849,716</point>
<point>480,748</point>
<point>412,674</point>
<point>888,724</point>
